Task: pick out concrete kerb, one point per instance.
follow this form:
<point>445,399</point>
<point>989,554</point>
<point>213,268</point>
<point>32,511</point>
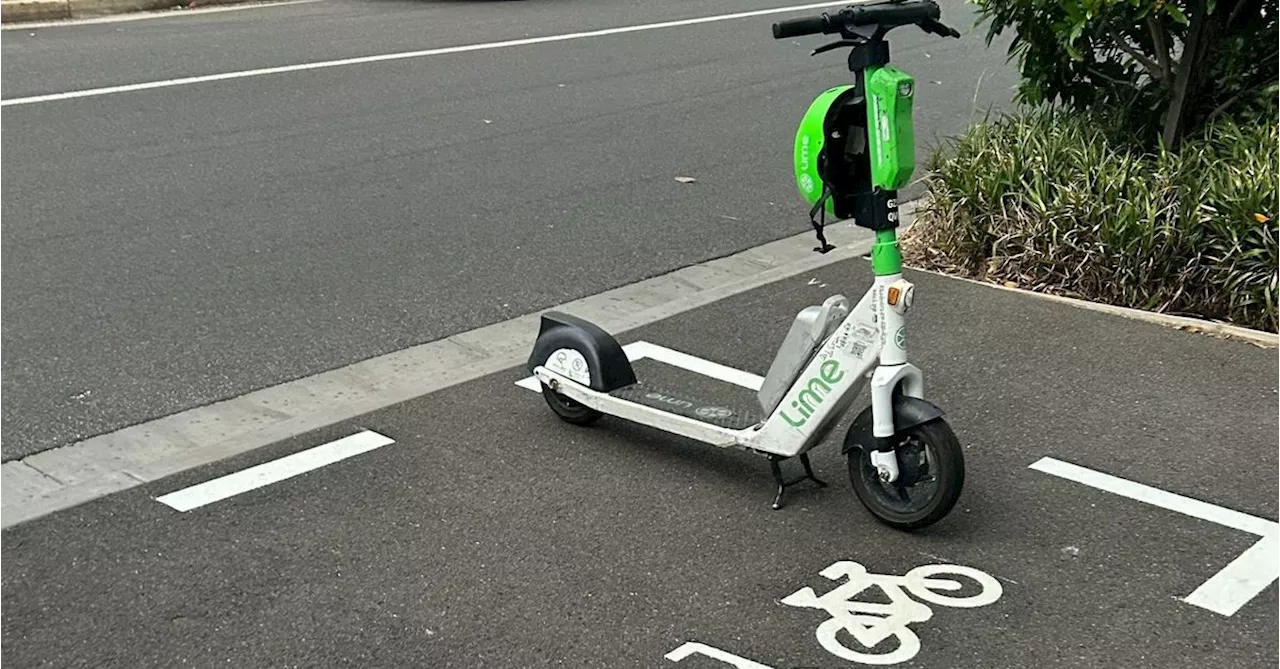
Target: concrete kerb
<point>68,476</point>
<point>26,11</point>
<point>1198,325</point>
<point>22,11</point>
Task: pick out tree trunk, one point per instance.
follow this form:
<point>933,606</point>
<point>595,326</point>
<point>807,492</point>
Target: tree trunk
<point>1188,74</point>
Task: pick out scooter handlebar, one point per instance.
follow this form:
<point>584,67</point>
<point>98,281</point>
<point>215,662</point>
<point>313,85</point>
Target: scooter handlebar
<point>889,14</point>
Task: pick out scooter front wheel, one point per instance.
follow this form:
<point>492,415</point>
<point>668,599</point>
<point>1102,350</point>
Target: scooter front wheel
<point>930,477</point>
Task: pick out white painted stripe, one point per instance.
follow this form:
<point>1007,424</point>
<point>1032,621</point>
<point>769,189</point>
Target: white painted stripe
<point>242,74</point>
<point>530,383</point>
<point>157,14</point>
<point>274,471</point>
<point>1144,493</point>
<point>641,350</point>
<point>1242,580</point>
<point>689,648</point>
<point>702,366</point>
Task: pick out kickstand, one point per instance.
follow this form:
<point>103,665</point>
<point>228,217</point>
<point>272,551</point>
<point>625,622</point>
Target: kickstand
<point>782,485</point>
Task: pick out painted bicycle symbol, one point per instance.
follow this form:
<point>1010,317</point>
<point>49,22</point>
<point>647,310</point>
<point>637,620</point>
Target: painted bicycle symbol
<point>870,623</point>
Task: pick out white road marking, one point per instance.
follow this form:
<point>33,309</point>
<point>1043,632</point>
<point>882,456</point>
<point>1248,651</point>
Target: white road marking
<point>1242,580</point>
<point>857,612</point>
<point>242,74</point>
<point>702,366</point>
<point>275,471</point>
<point>694,648</point>
<point>1237,583</point>
<point>641,350</point>
<point>158,14</point>
<point>1156,497</point>
<point>870,623</point>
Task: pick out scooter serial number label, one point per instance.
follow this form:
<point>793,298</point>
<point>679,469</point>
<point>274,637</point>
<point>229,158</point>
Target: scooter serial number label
<point>855,338</point>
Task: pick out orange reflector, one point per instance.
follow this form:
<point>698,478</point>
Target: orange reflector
<point>893,297</point>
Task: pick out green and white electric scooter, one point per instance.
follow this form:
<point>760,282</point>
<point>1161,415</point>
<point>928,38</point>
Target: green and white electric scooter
<point>853,150</point>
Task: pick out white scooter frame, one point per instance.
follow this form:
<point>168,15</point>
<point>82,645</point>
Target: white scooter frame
<point>868,344</point>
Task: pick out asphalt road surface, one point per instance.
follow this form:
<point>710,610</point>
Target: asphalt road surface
<point>171,246</point>
<point>490,534</point>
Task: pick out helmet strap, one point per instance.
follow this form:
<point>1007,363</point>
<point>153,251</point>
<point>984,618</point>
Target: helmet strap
<point>818,217</point>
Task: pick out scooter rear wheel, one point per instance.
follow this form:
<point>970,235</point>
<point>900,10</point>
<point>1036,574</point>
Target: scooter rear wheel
<point>930,477</point>
<point>569,410</point>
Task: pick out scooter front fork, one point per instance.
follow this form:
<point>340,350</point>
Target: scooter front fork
<point>884,382</point>
<point>886,464</point>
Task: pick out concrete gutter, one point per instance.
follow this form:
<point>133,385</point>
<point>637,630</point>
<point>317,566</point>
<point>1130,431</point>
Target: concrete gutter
<point>24,11</point>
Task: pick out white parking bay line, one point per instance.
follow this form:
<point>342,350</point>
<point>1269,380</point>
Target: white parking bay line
<point>1242,580</point>
<point>702,366</point>
<point>1156,497</point>
<point>300,67</point>
<point>272,472</point>
<point>1235,584</point>
<point>641,350</point>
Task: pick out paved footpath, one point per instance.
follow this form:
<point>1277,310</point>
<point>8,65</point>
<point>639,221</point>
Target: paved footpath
<point>1120,508</point>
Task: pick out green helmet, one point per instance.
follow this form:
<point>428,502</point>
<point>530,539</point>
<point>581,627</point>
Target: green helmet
<point>811,161</point>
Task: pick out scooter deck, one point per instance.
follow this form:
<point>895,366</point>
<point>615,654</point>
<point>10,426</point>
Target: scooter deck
<point>682,404</point>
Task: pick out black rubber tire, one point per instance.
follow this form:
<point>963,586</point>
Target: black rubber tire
<point>947,465</point>
<point>568,410</point>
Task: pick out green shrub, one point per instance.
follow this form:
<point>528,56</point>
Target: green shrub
<point>1046,200</point>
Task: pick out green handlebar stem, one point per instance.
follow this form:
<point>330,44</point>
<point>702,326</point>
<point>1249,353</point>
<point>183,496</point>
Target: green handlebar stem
<point>886,258</point>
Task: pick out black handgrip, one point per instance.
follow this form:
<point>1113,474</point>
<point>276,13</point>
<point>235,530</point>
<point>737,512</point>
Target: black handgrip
<point>891,13</point>
<point>797,27</point>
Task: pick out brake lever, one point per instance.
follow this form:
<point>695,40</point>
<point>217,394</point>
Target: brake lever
<point>937,28</point>
<point>836,45</point>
